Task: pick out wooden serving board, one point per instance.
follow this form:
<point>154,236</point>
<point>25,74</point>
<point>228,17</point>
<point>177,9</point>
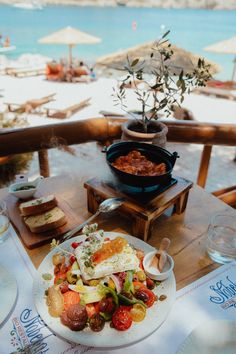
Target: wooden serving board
<point>33,240</point>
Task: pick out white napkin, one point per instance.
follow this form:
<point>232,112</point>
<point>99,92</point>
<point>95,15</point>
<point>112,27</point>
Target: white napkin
<point>211,297</point>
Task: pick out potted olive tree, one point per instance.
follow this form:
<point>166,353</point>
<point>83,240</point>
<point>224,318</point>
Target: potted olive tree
<point>158,87</point>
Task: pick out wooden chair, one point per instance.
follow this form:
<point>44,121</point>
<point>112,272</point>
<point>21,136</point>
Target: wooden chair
<point>25,72</point>
<point>67,112</point>
<point>216,92</point>
<point>31,105</point>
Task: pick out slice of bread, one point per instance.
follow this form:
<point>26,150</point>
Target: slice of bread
<point>38,206</point>
<point>49,220</point>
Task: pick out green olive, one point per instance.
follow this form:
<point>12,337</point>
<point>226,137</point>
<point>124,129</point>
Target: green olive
<point>141,275</point>
<point>71,278</point>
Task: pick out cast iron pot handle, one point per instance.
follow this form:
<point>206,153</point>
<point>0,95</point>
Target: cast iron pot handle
<point>104,149</point>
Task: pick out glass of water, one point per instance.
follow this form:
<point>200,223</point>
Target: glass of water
<point>4,221</point>
<point>221,239</point>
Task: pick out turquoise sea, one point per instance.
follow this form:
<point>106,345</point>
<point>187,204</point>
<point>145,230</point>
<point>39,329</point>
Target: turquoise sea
<point>190,29</point>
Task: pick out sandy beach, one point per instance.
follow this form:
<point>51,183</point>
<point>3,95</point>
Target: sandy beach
<point>203,108</point>
<point>178,4</point>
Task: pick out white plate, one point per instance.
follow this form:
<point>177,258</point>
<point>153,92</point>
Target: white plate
<point>213,337</point>
<point>8,292</point>
<point>109,337</point>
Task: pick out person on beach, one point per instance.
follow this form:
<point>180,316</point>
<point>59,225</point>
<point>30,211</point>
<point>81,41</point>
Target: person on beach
<point>7,42</point>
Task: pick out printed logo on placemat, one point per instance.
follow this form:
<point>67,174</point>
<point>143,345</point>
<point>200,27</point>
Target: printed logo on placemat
<point>224,293</point>
<point>27,330</point>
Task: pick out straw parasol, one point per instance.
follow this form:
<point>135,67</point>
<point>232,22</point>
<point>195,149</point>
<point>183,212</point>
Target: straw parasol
<point>71,37</point>
<point>182,59</point>
<point>226,47</point>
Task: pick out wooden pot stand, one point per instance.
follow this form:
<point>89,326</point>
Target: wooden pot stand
<point>141,208</point>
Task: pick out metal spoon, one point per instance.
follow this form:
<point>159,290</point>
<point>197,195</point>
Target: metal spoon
<point>106,206</point>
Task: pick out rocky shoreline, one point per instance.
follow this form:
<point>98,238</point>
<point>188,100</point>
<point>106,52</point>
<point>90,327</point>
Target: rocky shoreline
<point>177,4</point>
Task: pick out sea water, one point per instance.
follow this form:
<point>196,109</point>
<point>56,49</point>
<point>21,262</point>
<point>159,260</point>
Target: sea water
<point>119,28</point>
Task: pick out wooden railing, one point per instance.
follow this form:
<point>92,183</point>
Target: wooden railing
<point>103,130</point>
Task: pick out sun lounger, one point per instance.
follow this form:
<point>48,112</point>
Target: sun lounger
<point>67,112</point>
<point>227,85</point>
<point>25,72</point>
<point>31,105</point>
<point>217,92</point>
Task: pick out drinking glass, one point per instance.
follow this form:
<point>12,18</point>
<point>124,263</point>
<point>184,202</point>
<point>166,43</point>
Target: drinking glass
<point>4,221</point>
<point>221,238</point>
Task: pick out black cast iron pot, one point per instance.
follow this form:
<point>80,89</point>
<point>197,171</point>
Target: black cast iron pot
<point>152,152</point>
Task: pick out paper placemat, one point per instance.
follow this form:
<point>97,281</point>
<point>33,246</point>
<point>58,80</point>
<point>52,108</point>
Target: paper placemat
<point>211,297</point>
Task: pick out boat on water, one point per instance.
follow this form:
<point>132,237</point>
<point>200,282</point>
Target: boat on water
<point>7,49</point>
<point>29,5</point>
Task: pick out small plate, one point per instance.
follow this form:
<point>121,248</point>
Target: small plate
<point>8,293</point>
<point>212,337</point>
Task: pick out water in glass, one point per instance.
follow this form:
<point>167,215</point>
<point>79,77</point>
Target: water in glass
<point>221,239</point>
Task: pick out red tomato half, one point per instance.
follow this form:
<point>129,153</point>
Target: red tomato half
<point>121,319</point>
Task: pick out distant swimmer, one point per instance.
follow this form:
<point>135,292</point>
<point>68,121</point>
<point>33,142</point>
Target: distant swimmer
<point>134,25</point>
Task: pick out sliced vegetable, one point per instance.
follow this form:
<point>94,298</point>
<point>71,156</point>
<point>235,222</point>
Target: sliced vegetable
<point>91,297</point>
<point>117,282</point>
<point>128,284</point>
<point>129,300</point>
<point>104,290</point>
<point>121,319</point>
<point>71,278</point>
<point>55,301</point>
<point>92,309</point>
<point>70,298</point>
<point>138,313</point>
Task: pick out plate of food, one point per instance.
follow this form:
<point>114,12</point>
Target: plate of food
<point>93,290</point>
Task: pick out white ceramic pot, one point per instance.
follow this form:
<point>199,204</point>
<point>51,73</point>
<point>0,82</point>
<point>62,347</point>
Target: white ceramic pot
<point>158,138</point>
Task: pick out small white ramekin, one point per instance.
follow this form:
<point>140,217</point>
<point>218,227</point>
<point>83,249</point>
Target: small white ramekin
<point>156,274</point>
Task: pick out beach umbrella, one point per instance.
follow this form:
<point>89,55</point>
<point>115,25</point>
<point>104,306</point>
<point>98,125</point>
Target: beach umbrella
<point>182,59</point>
<point>225,47</point>
<point>71,37</point>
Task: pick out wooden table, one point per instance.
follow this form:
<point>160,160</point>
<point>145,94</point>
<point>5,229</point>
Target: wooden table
<point>186,231</point>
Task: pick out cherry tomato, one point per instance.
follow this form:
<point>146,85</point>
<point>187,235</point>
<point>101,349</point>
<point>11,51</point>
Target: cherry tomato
<point>121,319</point>
<point>138,313</point>
<point>150,284</point>
<point>72,259</point>
<point>64,287</point>
<point>126,307</point>
<point>96,322</point>
<point>146,295</point>
<point>107,239</point>
<point>75,244</point>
